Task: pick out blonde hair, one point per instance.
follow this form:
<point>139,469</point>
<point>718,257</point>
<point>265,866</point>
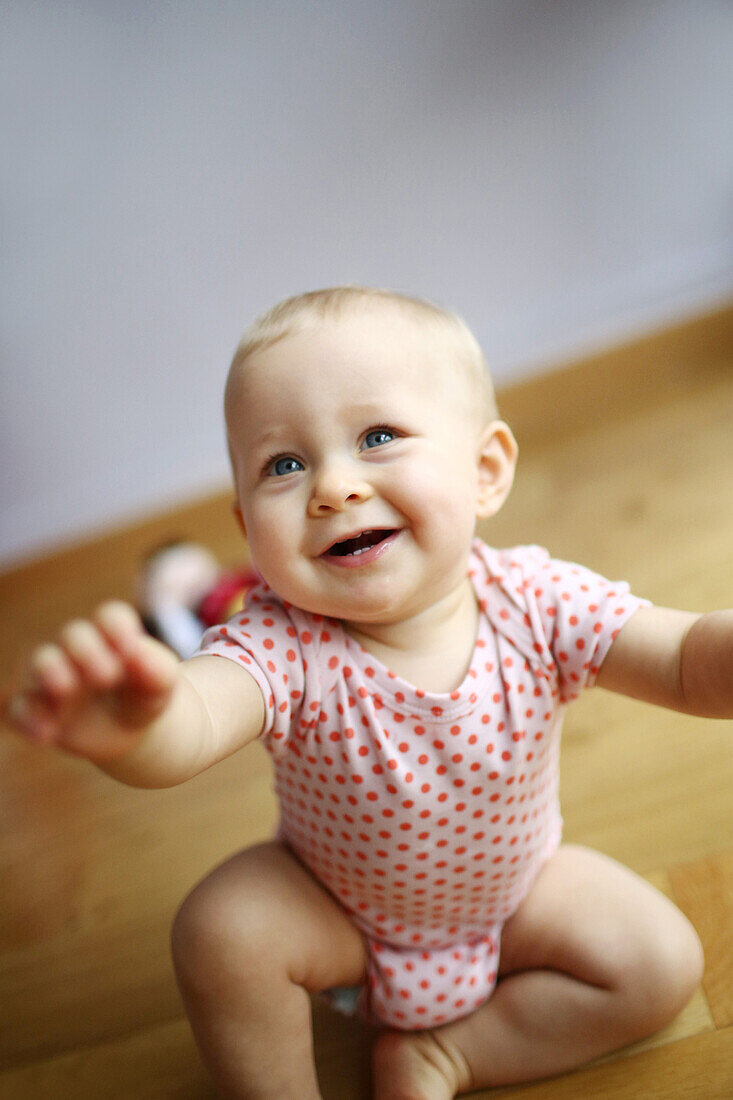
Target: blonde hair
<point>302,311</point>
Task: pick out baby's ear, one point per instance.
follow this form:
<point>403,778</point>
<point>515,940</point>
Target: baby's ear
<point>239,517</point>
<point>497,460</point>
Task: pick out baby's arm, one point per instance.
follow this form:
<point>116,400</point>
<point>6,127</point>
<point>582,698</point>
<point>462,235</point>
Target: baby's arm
<point>674,659</point>
<point>108,692</point>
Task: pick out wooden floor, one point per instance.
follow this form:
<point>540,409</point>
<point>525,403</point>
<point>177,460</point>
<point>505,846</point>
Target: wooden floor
<point>633,475</point>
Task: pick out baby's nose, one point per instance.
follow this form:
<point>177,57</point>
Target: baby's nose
<point>336,489</point>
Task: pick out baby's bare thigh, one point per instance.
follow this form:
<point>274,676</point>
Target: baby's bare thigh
<point>263,901</point>
<point>591,917</point>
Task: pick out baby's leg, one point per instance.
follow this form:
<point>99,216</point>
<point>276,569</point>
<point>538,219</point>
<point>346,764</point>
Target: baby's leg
<point>593,959</point>
<point>249,943</point>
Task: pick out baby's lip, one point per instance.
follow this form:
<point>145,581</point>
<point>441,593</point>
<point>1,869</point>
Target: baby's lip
<point>362,532</point>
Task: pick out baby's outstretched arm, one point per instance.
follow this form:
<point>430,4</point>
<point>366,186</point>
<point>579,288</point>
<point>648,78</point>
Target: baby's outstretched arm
<point>108,692</point>
<point>674,659</point>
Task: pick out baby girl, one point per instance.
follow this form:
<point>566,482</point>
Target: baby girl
<point>410,683</point>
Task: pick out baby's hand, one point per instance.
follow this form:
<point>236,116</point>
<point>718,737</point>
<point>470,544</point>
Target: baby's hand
<point>97,689</point>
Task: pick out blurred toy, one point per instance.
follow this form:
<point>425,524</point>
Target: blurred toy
<point>182,590</point>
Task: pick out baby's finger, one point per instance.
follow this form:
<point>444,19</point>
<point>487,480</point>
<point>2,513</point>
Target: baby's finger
<point>53,673</point>
<point>154,666</point>
<point>150,666</point>
<point>31,718</point>
<point>121,626</point>
<point>98,665</point>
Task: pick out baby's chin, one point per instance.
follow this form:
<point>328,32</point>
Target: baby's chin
<point>319,596</point>
<point>351,612</point>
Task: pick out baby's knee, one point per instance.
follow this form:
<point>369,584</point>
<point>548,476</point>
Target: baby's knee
<point>194,939</point>
<point>669,967</point>
<point>217,937</point>
<point>686,961</point>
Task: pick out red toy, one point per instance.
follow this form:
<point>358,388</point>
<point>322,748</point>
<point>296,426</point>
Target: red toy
<point>182,590</point>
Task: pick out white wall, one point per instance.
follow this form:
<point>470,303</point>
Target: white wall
<point>559,172</point>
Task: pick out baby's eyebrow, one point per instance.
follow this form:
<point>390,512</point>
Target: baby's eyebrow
<point>368,409</point>
<point>262,439</point>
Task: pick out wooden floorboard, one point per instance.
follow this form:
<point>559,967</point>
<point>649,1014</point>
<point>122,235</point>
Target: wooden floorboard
<point>627,466</point>
<point>700,1067</point>
<point>704,891</point>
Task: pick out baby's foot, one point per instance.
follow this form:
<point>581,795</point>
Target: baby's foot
<point>416,1066</point>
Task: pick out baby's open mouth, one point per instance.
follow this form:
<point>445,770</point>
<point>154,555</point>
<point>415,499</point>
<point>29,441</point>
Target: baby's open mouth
<point>361,543</point>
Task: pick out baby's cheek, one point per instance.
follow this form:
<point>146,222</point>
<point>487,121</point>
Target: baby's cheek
<point>424,482</point>
<point>268,549</point>
<point>438,494</point>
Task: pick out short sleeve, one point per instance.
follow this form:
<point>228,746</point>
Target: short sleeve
<point>581,614</point>
<point>265,640</point>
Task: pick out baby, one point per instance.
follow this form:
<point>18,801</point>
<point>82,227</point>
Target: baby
<point>409,683</point>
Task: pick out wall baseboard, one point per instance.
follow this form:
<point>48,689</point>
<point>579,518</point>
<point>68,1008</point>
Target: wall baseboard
<point>626,377</point>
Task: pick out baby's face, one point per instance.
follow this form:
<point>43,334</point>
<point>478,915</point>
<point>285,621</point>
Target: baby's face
<point>355,451</point>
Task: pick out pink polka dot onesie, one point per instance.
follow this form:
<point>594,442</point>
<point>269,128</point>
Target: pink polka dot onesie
<point>428,816</point>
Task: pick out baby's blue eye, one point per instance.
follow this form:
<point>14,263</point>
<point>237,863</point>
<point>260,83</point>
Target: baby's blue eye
<point>280,467</point>
<point>378,436</point>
